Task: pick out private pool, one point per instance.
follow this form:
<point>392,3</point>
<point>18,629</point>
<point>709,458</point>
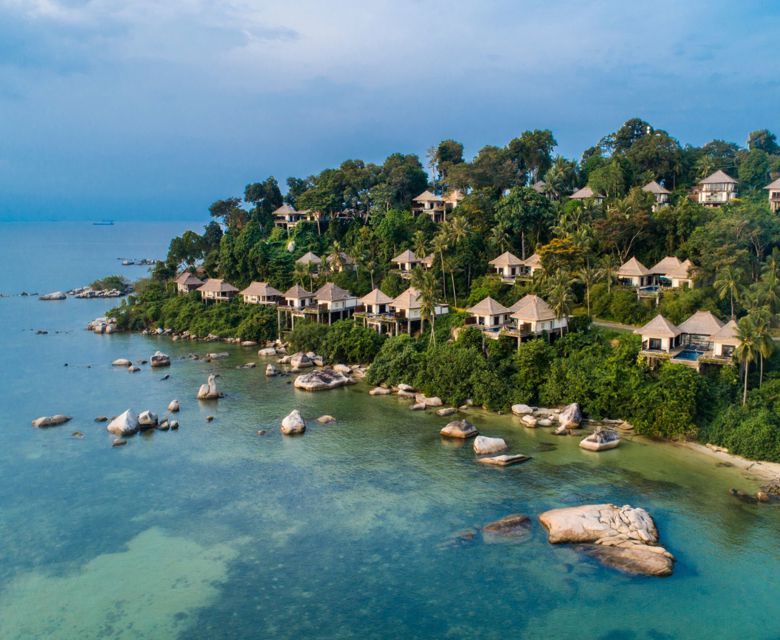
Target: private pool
<point>688,354</point>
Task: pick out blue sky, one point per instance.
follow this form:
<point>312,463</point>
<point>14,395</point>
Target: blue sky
<point>153,109</point>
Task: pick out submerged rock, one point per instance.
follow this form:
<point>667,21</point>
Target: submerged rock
<point>418,406</point>
<point>173,406</point>
<point>124,424</point>
<point>459,429</point>
<point>379,391</point>
<point>326,419</point>
<point>50,421</point>
<point>321,380</point>
<point>529,421</point>
<point>121,362</point>
<point>293,423</point>
<point>271,370</point>
<point>505,460</point>
<point>513,529</point>
<point>446,411</point>
<point>485,445</point>
<point>633,559</point>
<point>266,352</point>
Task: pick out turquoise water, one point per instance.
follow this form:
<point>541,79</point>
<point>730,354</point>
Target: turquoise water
<point>346,532</point>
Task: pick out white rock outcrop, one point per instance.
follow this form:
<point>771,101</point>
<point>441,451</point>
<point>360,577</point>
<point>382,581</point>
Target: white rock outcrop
<point>50,421</point>
<point>459,429</point>
<point>293,423</point>
<point>484,445</point>
<point>124,424</point>
<point>521,409</point>
<point>321,380</point>
<point>571,416</point>
<point>121,362</point>
<point>209,390</point>
<point>147,419</point>
<point>173,406</point>
<point>160,359</point>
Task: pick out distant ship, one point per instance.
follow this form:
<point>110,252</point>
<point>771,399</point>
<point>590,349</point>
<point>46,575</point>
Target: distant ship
<point>104,223</point>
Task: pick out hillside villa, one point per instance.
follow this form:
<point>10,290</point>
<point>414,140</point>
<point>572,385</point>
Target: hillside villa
<point>402,314</point>
<point>586,193</point>
<point>633,273</point>
<point>311,261</point>
<point>673,272</point>
<point>437,207</point>
<point>339,262</point>
<point>261,293</point>
<point>509,267</point>
<point>774,195</point>
<point>326,305</point>
<point>216,290</point>
<point>661,194</point>
<point>186,282</point>
<point>406,261</point>
<point>701,339</point>
<point>716,189</point>
<point>527,318</point>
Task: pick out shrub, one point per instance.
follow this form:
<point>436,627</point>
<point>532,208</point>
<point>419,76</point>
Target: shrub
<point>308,336</point>
<point>347,341</point>
<point>399,360</point>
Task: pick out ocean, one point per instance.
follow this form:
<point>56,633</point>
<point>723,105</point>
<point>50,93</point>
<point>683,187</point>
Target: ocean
<point>351,531</point>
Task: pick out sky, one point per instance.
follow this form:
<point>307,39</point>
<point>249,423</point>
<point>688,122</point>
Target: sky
<point>153,109</point>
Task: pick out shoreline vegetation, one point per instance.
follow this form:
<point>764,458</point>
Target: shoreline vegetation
<point>569,229</point>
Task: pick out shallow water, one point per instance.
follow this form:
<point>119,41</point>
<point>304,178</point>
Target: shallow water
<point>347,532</point>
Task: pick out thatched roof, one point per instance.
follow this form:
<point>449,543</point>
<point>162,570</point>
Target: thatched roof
<point>297,292</point>
<point>427,196</point>
<point>377,296</point>
<point>656,189</point>
<point>405,256</point>
<point>632,268</point>
<point>532,308</point>
<point>727,334</point>
<point>658,327</point>
<point>534,261</point>
<point>701,323</point>
<point>309,258</point>
<point>330,292</point>
<point>506,259</point>
<point>409,299</point>
<point>665,265</point>
<point>262,290</point>
<point>428,260</point>
<point>189,279</point>
<point>487,307</point>
<point>774,185</point>
<point>585,193</point>
<point>285,209</point>
<point>719,177</point>
<point>216,285</point>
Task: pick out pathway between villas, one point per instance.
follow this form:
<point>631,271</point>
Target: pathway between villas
<point>615,326</point>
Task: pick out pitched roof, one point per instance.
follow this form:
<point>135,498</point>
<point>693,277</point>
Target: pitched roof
<point>216,285</point>
<point>487,307</point>
<point>534,261</point>
<point>727,334</point>
<point>309,258</point>
<point>345,258</point>
<point>683,270</point>
<point>285,209</point>
<point>656,189</point>
<point>187,278</point>
<point>428,260</point>
<point>773,185</point>
<point>427,196</point>
<point>454,196</point>
<point>297,292</point>
<point>532,307</point>
<point>262,289</point>
<point>585,193</point>
<point>719,177</point>
<point>633,268</point>
<point>701,323</point>
<point>405,256</point>
<point>658,327</point>
<point>539,186</point>
<point>409,299</point>
<point>665,265</point>
<point>330,292</point>
<point>377,296</point>
<point>506,259</point>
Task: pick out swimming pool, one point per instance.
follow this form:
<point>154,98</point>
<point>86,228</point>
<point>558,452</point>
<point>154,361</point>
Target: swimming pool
<point>688,354</point>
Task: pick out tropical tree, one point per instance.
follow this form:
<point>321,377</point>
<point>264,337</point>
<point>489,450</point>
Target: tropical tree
<point>420,244</point>
<point>588,275</point>
<point>439,245</point>
<point>560,294</point>
<point>728,284</point>
<point>746,350</point>
<point>765,344</point>
<point>425,282</point>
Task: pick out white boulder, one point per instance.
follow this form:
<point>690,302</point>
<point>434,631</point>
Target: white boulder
<point>123,425</point>
<point>271,370</point>
<point>379,391</point>
<point>159,359</point>
<point>121,362</point>
<point>321,380</point>
<point>209,390</point>
<point>521,409</point>
<point>484,445</point>
<point>147,419</point>
<point>571,416</point>
<point>300,361</point>
<point>50,421</point>
<point>173,406</point>
<point>459,429</point>
<point>293,423</point>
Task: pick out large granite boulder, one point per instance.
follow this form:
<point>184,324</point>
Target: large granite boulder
<point>266,352</point>
<point>301,361</point>
<point>123,425</point>
<point>435,401</point>
<point>446,411</point>
<point>484,445</point>
<point>55,295</point>
<point>173,406</point>
<point>122,362</point>
<point>271,370</point>
<point>529,421</point>
<point>147,420</point>
<point>50,421</point>
<point>209,390</point>
<point>293,423</point>
<point>159,359</point>
<point>571,416</point>
<point>626,537</point>
<point>321,380</point>
<point>459,429</point>
<point>343,369</point>
<point>522,409</point>
<point>406,387</point>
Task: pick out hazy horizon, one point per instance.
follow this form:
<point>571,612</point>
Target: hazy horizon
<point>150,111</point>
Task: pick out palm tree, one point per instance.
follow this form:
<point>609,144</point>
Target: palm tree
<point>302,271</point>
<point>746,350</point>
<point>419,244</point>
<point>425,283</point>
<point>440,244</point>
<point>765,344</point>
<point>500,238</point>
<point>560,294</point>
<point>727,284</point>
<point>588,275</point>
<point>608,270</point>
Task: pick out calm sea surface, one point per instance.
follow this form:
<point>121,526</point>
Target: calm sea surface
<point>347,532</point>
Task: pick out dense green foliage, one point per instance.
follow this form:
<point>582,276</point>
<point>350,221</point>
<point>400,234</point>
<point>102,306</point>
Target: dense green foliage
<point>343,341</point>
<point>119,283</point>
